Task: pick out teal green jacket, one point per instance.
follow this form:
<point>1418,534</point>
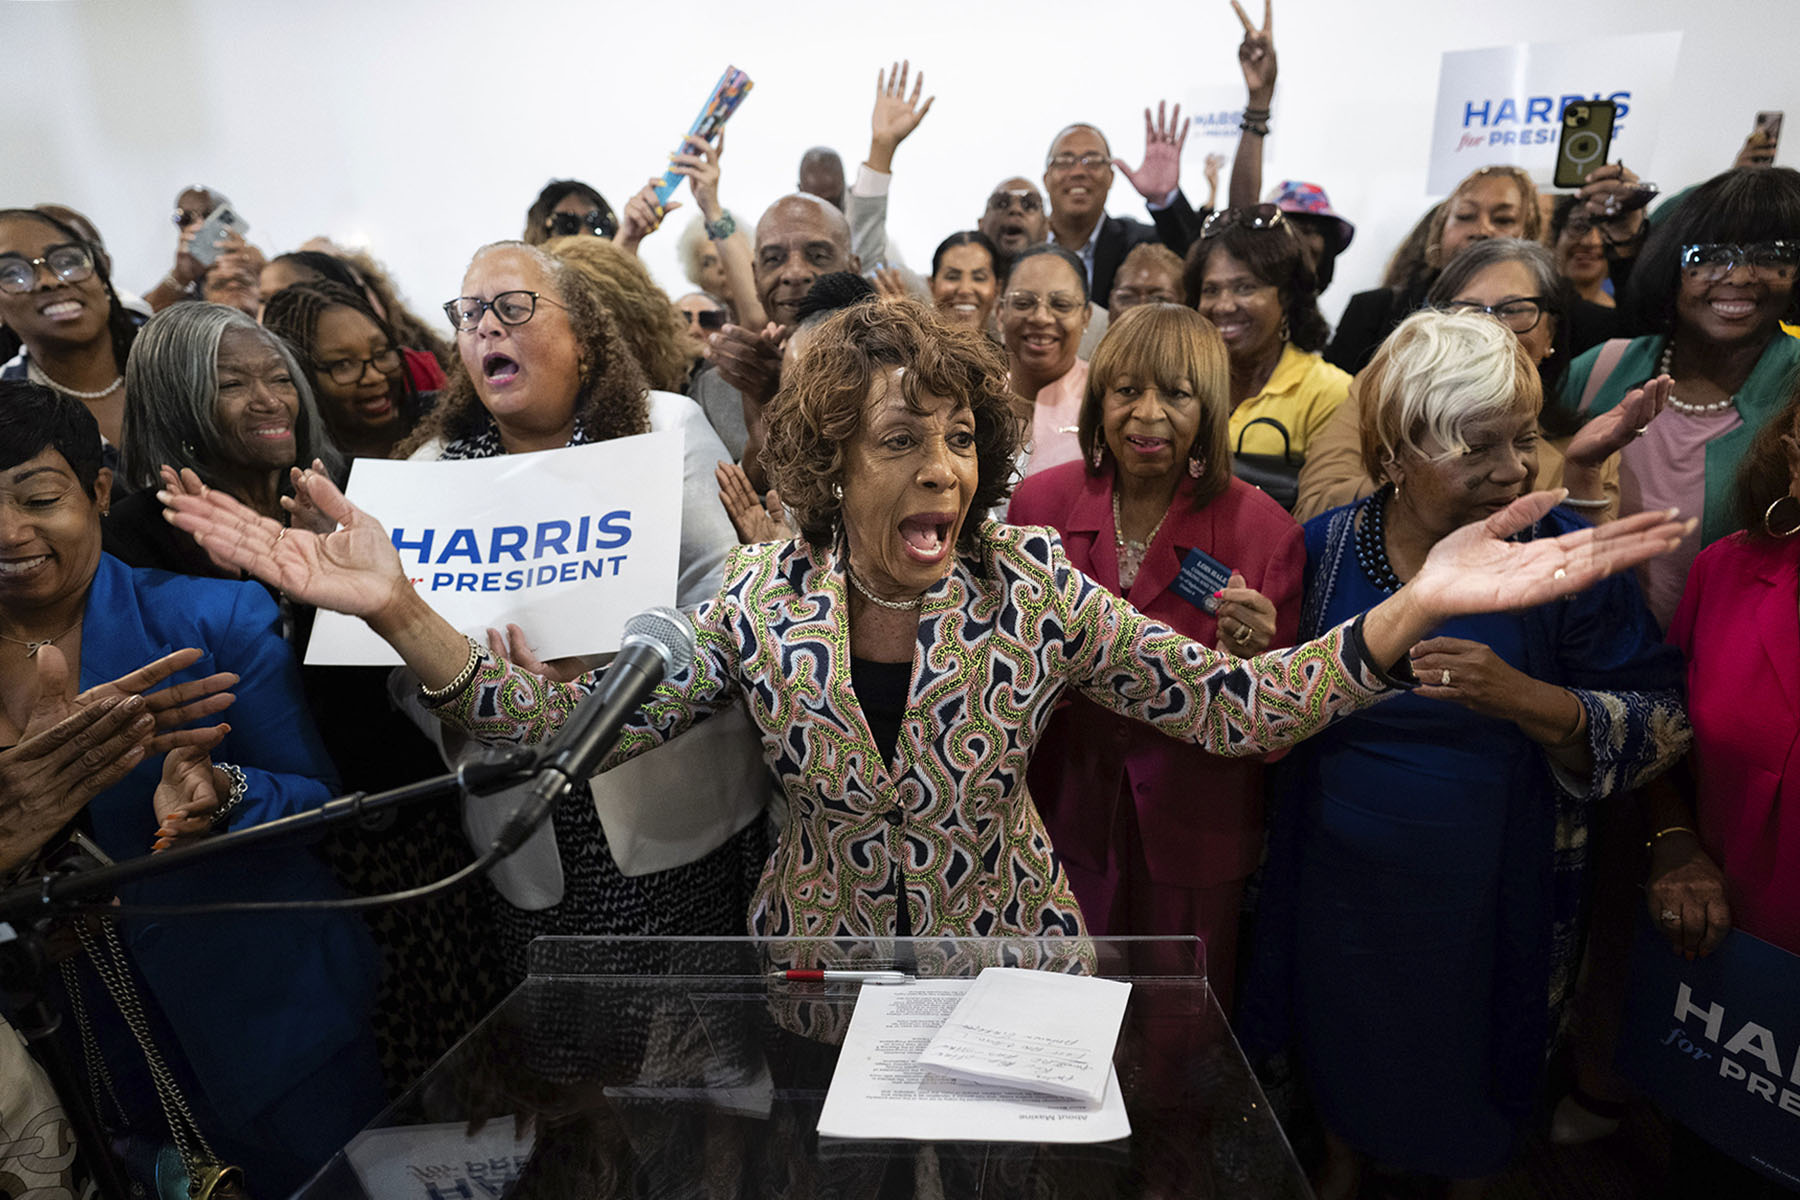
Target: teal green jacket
<point>1760,399</point>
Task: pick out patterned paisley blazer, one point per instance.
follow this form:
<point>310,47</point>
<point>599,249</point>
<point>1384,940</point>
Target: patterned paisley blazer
<point>999,639</point>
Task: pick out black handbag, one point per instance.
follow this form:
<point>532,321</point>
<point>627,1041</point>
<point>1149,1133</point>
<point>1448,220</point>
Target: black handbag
<point>1276,474</point>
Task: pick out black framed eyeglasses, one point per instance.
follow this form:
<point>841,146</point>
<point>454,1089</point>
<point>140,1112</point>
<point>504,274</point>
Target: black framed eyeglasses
<point>599,222</point>
<point>346,371</point>
<point>1773,262</point>
<point>509,308</point>
<point>1520,314</point>
<point>1253,216</point>
<point>68,262</point>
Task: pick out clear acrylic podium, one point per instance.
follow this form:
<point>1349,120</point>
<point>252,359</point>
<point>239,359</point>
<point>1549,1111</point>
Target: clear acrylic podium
<point>677,1067</point>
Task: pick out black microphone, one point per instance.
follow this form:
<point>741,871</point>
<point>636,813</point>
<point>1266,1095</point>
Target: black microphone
<point>658,643</point>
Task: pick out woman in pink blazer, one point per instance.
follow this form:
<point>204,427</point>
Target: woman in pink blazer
<point>1155,486</point>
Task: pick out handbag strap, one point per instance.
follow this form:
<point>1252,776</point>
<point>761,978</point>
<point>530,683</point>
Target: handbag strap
<point>1611,351</point>
<point>1287,445</point>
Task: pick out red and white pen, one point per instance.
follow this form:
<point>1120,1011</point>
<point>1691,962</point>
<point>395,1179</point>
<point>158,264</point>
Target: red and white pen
<point>843,976</point>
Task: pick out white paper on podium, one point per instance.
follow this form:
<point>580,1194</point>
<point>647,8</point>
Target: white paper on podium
<point>1040,1030</point>
<point>568,544</point>
<point>429,1162</point>
<point>881,1090</point>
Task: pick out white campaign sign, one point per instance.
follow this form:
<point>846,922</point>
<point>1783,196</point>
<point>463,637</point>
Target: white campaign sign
<point>1505,105</point>
<point>568,544</point>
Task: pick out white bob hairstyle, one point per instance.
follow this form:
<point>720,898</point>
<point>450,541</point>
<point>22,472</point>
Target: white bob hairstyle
<point>1434,376</point>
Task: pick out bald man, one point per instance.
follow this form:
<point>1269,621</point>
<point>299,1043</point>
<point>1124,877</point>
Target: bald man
<point>799,238</point>
<point>822,175</point>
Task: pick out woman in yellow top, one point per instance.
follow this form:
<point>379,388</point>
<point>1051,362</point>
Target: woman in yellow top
<point>1249,275</point>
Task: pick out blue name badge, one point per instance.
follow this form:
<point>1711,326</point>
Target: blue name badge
<point>1201,575</point>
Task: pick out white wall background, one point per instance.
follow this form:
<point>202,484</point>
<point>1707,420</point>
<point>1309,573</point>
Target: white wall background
<point>423,129</point>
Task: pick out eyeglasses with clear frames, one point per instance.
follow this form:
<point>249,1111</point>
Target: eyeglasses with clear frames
<point>1520,314</point>
<point>1774,262</point>
<point>509,308</point>
<point>68,262</point>
<point>1062,305</point>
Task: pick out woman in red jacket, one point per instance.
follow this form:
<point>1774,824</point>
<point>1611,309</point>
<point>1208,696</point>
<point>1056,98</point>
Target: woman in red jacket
<point>1155,489</point>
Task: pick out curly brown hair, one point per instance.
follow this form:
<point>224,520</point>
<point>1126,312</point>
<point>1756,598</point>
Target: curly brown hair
<point>612,401</point>
<point>824,398</point>
<point>1763,478</point>
<point>647,319</point>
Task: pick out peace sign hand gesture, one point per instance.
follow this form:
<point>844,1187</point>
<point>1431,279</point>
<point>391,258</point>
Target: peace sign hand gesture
<point>1256,54</point>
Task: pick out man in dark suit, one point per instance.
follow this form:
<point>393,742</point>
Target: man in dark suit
<point>1078,174</point>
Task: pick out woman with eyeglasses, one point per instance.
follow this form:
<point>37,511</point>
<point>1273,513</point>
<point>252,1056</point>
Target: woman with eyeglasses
<point>1043,313</point>
<point>1713,285</point>
<point>425,354</point>
<point>358,374</point>
<point>542,366</point>
<point>1250,276</point>
<point>1155,491</point>
<point>1416,954</point>
<point>702,315</point>
<point>1511,280</point>
<point>1580,251</point>
<point>566,208</point>
<point>58,304</point>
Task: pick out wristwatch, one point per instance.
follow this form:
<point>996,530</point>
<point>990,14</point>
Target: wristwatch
<point>722,228</point>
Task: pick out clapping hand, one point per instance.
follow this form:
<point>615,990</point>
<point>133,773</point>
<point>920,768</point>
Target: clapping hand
<point>1256,54</point>
<point>1160,172</point>
<point>354,569</point>
<point>1617,427</point>
<point>187,798</point>
<point>748,361</point>
<point>755,520</point>
<point>896,114</point>
<point>1246,618</point>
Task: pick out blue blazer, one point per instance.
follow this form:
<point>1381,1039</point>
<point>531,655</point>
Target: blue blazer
<point>257,1001</point>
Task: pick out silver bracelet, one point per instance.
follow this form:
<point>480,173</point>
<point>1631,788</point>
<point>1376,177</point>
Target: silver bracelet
<point>438,697</point>
<point>240,787</point>
<point>1572,502</point>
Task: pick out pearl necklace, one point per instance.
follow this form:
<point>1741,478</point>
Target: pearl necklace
<point>1371,542</point>
<point>872,598</point>
<point>31,648</point>
<point>37,376</point>
<point>1131,553</point>
<point>1697,410</point>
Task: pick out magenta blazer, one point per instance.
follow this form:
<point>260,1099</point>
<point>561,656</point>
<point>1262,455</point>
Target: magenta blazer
<point>1200,816</point>
<point>1739,627</point>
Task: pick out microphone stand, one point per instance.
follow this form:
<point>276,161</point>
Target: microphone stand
<point>26,910</point>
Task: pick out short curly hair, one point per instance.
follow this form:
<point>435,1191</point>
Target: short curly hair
<point>613,399</point>
<point>1275,257</point>
<point>647,319</point>
<point>824,398</point>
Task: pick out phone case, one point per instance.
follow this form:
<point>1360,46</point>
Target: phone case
<point>1586,138</point>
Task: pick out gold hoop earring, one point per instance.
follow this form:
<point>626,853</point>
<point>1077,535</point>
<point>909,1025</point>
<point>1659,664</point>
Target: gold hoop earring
<point>1793,525</point>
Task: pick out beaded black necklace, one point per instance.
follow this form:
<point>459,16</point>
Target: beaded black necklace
<point>1371,542</point>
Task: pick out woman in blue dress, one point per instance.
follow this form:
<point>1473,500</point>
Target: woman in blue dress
<point>1419,924</point>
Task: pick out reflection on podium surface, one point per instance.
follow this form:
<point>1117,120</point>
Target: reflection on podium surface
<point>682,1067</point>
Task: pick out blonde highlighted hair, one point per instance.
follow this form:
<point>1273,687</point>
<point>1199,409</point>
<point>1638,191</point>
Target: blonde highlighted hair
<point>1437,374</point>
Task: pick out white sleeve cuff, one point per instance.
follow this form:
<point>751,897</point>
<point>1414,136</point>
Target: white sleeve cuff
<point>870,182</point>
<point>1165,201</point>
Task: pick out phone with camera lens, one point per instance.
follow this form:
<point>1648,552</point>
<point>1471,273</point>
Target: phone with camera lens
<point>220,221</point>
<point>1587,127</point>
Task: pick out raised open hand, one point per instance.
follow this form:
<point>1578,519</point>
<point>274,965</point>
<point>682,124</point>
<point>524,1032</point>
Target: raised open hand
<point>1160,172</point>
<point>353,569</point>
<point>896,114</point>
<point>755,520</point>
<point>1476,570</point>
<point>1256,53</point>
<point>1617,427</point>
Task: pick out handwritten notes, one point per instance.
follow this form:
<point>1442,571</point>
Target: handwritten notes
<point>881,1089</point>
<point>1039,1030</point>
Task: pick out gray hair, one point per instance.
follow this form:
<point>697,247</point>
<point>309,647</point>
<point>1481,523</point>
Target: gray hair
<point>172,397</point>
<point>1473,260</point>
<point>691,246</point>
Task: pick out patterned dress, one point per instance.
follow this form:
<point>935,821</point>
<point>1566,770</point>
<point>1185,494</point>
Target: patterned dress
<point>1000,638</point>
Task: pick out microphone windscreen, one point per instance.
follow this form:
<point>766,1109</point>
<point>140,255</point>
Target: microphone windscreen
<point>668,630</point>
